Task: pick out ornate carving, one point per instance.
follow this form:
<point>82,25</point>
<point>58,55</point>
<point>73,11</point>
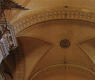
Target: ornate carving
<point>53,14</point>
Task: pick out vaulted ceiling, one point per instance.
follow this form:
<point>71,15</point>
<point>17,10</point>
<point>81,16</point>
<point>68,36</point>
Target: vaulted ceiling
<point>41,28</point>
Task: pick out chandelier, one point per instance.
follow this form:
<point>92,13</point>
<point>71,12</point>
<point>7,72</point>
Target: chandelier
<point>7,33</point>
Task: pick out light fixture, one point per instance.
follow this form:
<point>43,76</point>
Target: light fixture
<point>7,33</point>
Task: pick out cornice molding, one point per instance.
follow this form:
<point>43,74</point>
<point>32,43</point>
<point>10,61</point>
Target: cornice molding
<point>54,14</point>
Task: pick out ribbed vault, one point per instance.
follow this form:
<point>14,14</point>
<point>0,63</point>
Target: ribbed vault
<point>41,28</point>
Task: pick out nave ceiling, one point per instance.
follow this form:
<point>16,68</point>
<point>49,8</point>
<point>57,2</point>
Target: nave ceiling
<point>41,28</point>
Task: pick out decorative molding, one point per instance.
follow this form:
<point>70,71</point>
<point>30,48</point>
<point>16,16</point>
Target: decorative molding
<point>66,67</point>
<point>54,14</point>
